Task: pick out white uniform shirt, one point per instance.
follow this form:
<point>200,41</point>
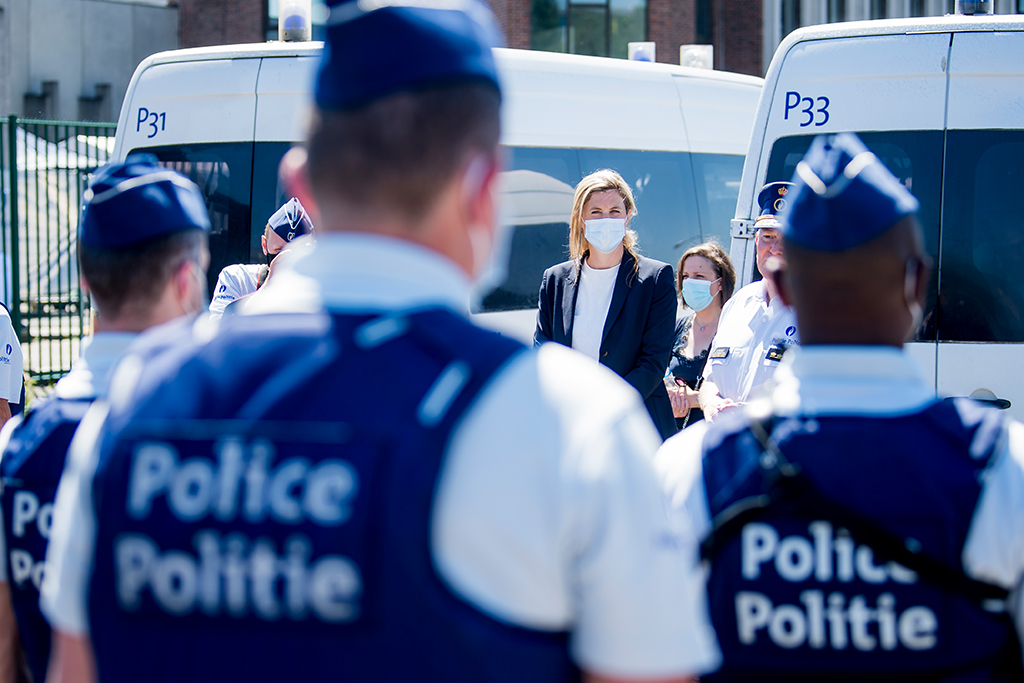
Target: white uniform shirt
<point>881,382</point>
<point>739,362</point>
<point>548,513</point>
<point>89,379</point>
<point>593,300</point>
<point>11,361</point>
<point>233,283</point>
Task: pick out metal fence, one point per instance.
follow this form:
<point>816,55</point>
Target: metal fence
<point>43,171</point>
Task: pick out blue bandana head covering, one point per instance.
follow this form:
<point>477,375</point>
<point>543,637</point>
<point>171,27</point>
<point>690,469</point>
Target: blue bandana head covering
<point>291,221</point>
<point>844,196</point>
<point>138,200</point>
<point>378,47</point>
<point>772,199</point>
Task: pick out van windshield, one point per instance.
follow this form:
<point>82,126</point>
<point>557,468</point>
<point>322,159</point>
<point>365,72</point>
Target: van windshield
<point>682,199</point>
<point>223,172</point>
<point>972,220</point>
<point>913,156</point>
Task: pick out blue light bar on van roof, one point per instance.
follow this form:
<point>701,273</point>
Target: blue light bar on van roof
<point>295,20</point>
<point>973,7</point>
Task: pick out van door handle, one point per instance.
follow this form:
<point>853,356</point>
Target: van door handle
<point>988,398</point>
<point>1000,403</point>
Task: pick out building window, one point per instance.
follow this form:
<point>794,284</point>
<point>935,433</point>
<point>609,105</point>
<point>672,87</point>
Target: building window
<point>588,27</point>
<point>836,10</point>
<point>703,22</point>
<point>917,8</point>
<point>790,16</point>
<point>878,9</point>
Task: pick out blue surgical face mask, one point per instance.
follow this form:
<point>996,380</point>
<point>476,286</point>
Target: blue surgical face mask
<point>605,234</point>
<point>697,293</point>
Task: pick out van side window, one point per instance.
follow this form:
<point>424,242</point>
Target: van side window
<point>682,199</point>
<point>536,200</point>
<point>913,156</point>
<point>981,295</point>
<point>223,172</point>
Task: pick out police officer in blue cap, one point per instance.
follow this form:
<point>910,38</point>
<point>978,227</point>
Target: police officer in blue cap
<point>288,223</point>
<point>142,250</point>
<point>349,480</point>
<point>756,327</point>
<point>858,528</point>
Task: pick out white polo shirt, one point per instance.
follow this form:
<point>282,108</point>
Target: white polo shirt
<point>745,352</point>
<point>11,361</point>
<point>548,513</point>
<point>233,283</point>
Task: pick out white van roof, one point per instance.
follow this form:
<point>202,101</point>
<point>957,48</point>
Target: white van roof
<point>554,100</point>
<point>951,23</point>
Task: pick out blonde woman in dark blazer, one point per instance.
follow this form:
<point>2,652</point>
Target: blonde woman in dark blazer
<point>608,302</point>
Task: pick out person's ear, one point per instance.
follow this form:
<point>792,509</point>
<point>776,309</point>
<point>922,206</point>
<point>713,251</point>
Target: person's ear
<point>479,189</point>
<point>183,281</point>
<point>293,173</point>
<point>263,241</point>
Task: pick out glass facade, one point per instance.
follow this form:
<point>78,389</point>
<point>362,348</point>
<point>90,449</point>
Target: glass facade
<point>603,28</point>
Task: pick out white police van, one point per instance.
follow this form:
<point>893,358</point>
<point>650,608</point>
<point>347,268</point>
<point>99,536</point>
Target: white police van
<point>941,102</point>
<point>225,116</point>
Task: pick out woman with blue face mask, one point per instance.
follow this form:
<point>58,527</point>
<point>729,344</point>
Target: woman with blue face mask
<point>608,302</point>
<point>705,279</point>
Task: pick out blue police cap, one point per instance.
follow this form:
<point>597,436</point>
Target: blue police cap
<point>139,200</point>
<point>844,196</point>
<point>378,47</point>
<point>772,199</point>
<point>291,221</point>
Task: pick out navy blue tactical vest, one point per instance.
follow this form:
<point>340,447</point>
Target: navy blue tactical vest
<point>265,516</point>
<point>30,470</point>
<point>795,596</point>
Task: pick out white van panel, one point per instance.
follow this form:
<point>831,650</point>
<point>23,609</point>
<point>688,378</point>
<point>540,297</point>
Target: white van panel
<point>868,75</point>
<point>283,93</point>
<point>190,102</point>
<point>983,370</point>
<point>717,114</point>
<point>519,325</point>
<point>984,69</point>
<point>923,354</point>
<point>582,103</point>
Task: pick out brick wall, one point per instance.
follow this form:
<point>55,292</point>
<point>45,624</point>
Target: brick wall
<point>220,22</point>
<point>737,31</point>
<point>514,17</point>
<point>671,23</point>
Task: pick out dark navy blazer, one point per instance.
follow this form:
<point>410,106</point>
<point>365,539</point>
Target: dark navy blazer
<point>638,331</point>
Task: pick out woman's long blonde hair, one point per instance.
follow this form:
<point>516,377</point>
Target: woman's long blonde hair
<point>598,181</point>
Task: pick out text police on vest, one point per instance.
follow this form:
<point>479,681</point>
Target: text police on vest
<point>836,621</point>
<point>233,573</point>
<point>27,510</point>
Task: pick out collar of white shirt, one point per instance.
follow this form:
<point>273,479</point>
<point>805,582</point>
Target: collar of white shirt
<point>91,373</point>
<point>849,380</point>
<point>363,272</point>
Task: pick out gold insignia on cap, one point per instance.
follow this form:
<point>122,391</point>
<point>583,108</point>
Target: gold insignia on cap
<point>783,191</point>
<point>779,204</point>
